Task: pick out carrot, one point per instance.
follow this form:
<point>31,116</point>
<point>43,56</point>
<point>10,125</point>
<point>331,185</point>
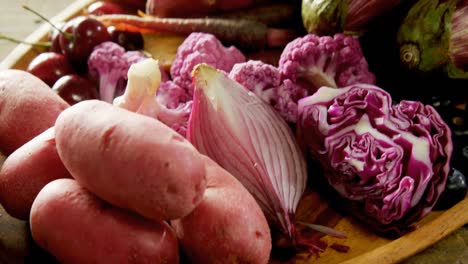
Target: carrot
<point>275,14</point>
<point>191,8</point>
<point>245,34</point>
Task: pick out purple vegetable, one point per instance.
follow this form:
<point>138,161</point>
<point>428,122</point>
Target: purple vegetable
<point>390,162</point>
<point>177,105</point>
<point>202,48</point>
<point>245,136</point>
<point>315,61</point>
<point>173,101</point>
<point>265,81</point>
<point>305,65</point>
<point>109,62</point>
<point>246,34</point>
<point>145,94</point>
<point>258,77</point>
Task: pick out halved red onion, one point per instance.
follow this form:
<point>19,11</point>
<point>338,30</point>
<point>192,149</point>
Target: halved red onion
<point>249,139</point>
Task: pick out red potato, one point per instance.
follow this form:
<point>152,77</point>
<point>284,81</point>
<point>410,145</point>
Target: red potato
<point>130,160</point>
<point>27,170</point>
<point>27,108</point>
<point>227,227</point>
<point>77,227</point>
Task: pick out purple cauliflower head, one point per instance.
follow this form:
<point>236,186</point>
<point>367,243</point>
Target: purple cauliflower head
<point>332,61</point>
<point>389,162</point>
<point>110,63</point>
<point>202,48</point>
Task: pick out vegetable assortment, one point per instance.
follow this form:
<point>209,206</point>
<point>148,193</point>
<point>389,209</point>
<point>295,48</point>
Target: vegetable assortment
<point>207,159</point>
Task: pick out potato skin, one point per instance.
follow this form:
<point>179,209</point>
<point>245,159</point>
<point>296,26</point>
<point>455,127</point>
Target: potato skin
<point>77,227</point>
<point>27,108</point>
<point>228,226</point>
<point>130,160</point>
<point>27,170</point>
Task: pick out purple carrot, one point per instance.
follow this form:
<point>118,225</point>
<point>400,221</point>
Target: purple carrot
<point>245,34</point>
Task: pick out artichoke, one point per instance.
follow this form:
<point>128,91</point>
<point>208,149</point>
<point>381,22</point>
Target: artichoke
<point>326,17</point>
<point>433,37</point>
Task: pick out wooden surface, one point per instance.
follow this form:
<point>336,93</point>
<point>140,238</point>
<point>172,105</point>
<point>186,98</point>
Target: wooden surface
<point>19,23</point>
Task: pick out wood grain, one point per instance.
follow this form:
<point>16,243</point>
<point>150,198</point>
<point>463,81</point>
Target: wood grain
<point>418,240</point>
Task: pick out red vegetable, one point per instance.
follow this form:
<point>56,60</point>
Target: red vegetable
<point>190,8</point>
<point>245,136</point>
<point>26,171</point>
<point>245,34</point>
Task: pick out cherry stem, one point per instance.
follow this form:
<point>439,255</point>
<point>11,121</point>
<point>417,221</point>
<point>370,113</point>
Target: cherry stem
<point>37,44</point>
<point>68,36</point>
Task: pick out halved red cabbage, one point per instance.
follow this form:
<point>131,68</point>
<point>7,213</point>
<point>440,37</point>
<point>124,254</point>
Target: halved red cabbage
<point>389,162</point>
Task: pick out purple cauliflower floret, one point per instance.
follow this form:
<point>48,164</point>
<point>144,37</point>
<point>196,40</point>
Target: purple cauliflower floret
<point>110,63</point>
<point>333,61</point>
<point>171,95</point>
<point>265,81</point>
<point>287,96</point>
<point>176,106</point>
<point>258,77</point>
<point>389,162</point>
<point>146,95</point>
<point>202,48</point>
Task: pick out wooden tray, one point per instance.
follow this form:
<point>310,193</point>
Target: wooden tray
<point>16,245</point>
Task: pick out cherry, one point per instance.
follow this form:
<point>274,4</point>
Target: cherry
<point>74,88</point>
<point>86,33</point>
<point>101,8</point>
<point>49,67</point>
<point>128,40</point>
